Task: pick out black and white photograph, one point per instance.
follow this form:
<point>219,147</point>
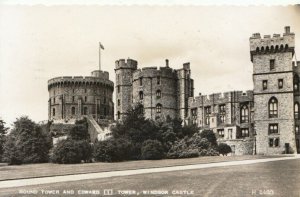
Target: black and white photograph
<point>149,98</point>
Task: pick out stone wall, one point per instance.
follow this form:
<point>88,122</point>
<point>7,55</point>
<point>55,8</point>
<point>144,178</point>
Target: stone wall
<point>240,146</point>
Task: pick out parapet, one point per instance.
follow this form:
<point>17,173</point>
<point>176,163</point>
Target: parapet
<point>100,74</point>
<point>129,64</point>
<point>274,44</point>
<point>151,72</point>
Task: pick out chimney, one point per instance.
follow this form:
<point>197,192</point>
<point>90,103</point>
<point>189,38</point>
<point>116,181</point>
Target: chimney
<point>167,63</point>
<point>287,29</point>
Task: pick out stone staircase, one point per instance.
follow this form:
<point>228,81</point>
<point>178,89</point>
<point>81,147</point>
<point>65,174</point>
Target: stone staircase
<point>96,131</point>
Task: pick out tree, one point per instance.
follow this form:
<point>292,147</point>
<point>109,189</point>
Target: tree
<point>71,151</point>
<point>26,143</point>
<point>3,131</point>
<point>152,149</point>
<point>80,130</point>
<point>224,149</point>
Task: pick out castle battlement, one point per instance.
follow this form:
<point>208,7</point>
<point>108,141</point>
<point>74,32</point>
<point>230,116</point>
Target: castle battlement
<point>275,44</point>
<point>130,63</point>
<point>154,72</point>
<point>74,80</point>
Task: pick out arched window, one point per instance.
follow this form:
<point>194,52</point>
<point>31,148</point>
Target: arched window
<point>272,48</point>
<point>286,47</point>
<point>257,49</point>
<point>281,47</point>
<point>158,94</point>
<point>296,110</point>
<point>141,94</point>
<point>296,82</point>
<point>267,49</point>
<point>276,48</point>
<point>85,110</point>
<point>158,108</point>
<point>73,110</point>
<point>244,114</point>
<point>53,112</point>
<point>273,108</point>
<point>119,115</point>
<point>262,49</point>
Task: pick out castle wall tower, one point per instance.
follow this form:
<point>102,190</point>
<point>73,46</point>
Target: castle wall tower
<point>273,78</point>
<point>185,89</point>
<point>124,72</point>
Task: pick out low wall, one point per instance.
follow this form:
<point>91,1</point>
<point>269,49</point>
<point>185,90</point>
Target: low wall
<point>240,146</point>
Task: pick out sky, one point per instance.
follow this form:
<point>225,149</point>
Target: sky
<point>40,42</point>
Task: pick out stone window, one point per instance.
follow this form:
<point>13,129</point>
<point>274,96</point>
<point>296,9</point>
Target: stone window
<point>158,94</point>
<point>141,95</point>
<point>85,99</point>
<point>280,83</point>
<point>273,142</point>
<point>73,110</point>
<point>221,133</point>
<point>158,108</point>
<point>85,110</point>
<point>194,115</point>
<point>118,89</point>
<point>244,114</point>
<point>119,102</point>
<point>296,110</point>
<point>297,129</point>
<point>54,100</point>
<point>272,64</point>
<point>119,115</point>
<point>222,112</point>
<point>73,98</point>
<point>141,81</point>
<point>158,80</point>
<point>296,82</point>
<point>207,111</point>
<point>273,128</point>
<point>104,100</point>
<point>53,112</point>
<point>265,84</point>
<point>245,132</point>
<point>273,108</point>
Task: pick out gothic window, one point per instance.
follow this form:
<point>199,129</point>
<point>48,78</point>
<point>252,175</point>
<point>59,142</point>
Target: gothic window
<point>158,94</point>
<point>158,80</point>
<point>158,108</point>
<point>273,128</point>
<point>257,49</point>
<point>280,83</point>
<point>265,84</point>
<point>194,115</point>
<point>273,108</point>
<point>272,64</point>
<point>141,95</point>
<point>54,100</point>
<point>73,110</point>
<point>141,81</point>
<point>104,100</point>
<point>53,112</point>
<point>207,111</point>
<point>85,110</point>
<point>271,142</point>
<point>222,112</point>
<point>221,133</point>
<point>244,114</point>
<point>296,110</point>
<point>245,132</point>
<point>276,142</point>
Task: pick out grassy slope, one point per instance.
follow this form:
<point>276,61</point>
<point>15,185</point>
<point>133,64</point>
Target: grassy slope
<point>282,177</point>
<point>49,169</point>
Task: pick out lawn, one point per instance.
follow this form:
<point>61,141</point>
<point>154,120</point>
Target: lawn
<point>279,178</point>
<point>49,169</point>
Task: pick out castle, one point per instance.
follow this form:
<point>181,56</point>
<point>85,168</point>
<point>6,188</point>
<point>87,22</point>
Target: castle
<point>162,92</point>
<point>264,120</point>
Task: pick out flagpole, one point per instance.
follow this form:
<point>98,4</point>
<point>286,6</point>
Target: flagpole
<point>99,56</point>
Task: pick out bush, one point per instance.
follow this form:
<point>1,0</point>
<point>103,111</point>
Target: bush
<point>71,151</point>
<point>26,143</point>
<point>3,130</point>
<point>113,150</point>
<point>152,150</point>
<point>224,149</point>
<point>210,136</point>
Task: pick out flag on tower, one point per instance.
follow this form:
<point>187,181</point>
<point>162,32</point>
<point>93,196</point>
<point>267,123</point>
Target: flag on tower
<point>101,46</point>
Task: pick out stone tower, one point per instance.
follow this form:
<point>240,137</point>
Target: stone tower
<point>274,92</point>
<point>124,71</point>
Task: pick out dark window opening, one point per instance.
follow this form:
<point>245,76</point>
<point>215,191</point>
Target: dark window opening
<point>272,64</point>
<point>85,110</point>
<point>221,133</point>
<point>245,132</point>
<point>158,94</point>
<point>222,112</point>
<point>73,110</point>
<point>273,128</point>
<point>141,81</point>
<point>158,80</point>
<point>119,102</point>
<point>280,83</point>
<point>53,112</point>
<point>244,114</point>
<point>119,115</point>
<point>296,110</point>
<point>141,95</point>
<point>265,84</point>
